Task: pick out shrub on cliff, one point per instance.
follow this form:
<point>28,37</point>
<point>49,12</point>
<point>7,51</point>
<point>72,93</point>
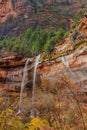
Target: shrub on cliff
<point>53,40</point>
<point>78,16</point>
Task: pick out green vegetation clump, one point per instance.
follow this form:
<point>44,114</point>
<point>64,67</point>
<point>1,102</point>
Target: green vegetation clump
<point>32,42</point>
<point>47,56</point>
<point>78,16</point>
<point>71,118</point>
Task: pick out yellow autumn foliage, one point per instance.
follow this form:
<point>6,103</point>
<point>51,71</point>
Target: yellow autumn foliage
<point>36,122</point>
<point>10,122</point>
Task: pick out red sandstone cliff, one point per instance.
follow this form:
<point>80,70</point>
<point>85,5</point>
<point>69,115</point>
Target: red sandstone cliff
<point>61,74</point>
<point>70,56</point>
<point>62,77</point>
<point>17,17</point>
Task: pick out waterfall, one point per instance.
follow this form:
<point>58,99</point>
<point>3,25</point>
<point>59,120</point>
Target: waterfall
<point>78,76</point>
<point>9,81</point>
<point>64,59</point>
<point>22,85</point>
<point>10,77</point>
<point>66,62</point>
<point>34,79</point>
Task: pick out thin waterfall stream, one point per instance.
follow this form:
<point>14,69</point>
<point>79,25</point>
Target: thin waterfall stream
<point>23,85</point>
<point>34,81</point>
<point>66,62</point>
<point>77,78</point>
<point>9,80</point>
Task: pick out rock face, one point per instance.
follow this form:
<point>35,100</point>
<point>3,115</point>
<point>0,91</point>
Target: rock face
<point>70,55</point>
<point>16,17</point>
<point>68,62</point>
<point>64,68</point>
<point>62,80</point>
